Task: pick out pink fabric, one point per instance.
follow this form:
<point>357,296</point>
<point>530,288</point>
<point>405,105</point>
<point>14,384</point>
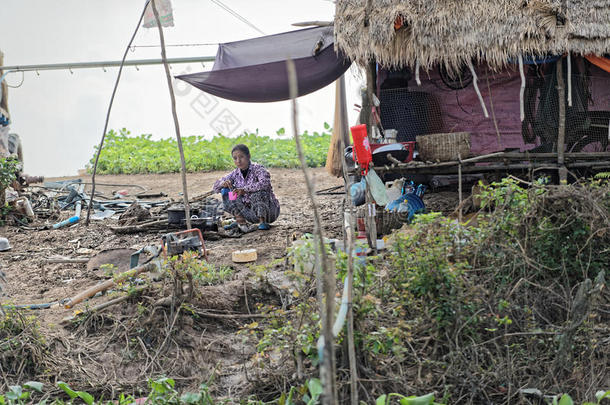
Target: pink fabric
<point>462,111</point>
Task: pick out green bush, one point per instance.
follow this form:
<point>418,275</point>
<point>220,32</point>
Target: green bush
<point>426,266</point>
<point>545,232</point>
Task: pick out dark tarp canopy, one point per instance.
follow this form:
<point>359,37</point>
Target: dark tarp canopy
<point>254,70</point>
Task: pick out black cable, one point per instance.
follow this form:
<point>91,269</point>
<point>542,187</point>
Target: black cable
<point>236,15</point>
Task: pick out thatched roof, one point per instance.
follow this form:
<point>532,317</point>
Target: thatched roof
<point>455,31</point>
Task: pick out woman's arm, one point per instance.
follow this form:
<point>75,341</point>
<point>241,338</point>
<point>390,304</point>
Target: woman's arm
<point>218,184</point>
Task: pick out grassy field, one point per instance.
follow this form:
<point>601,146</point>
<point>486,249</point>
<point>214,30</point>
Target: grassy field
<point>126,154</point>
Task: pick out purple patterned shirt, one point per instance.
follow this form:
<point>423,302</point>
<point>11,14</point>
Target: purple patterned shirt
<point>257,179</point>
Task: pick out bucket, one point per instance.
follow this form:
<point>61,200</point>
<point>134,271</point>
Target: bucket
<point>362,148</point>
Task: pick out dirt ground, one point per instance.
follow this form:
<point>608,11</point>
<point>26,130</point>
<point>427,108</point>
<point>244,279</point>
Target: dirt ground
<point>31,279</point>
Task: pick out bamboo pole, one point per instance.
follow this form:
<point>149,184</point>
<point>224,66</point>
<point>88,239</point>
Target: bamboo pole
<point>187,209</point>
<point>349,249</point>
<point>561,127</point>
<point>327,372</point>
<point>3,85</point>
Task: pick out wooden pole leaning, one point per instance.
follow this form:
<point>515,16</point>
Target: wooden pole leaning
<point>116,85</point>
<point>187,209</point>
<point>326,273</point>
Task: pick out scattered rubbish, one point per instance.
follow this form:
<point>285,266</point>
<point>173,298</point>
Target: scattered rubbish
<point>151,195</point>
<point>69,221</point>
<point>4,244</point>
<point>121,193</point>
<point>134,214</point>
<point>409,203</point>
<point>70,193</point>
<point>244,256</point>
<point>55,260</point>
<point>377,188</point>
<point>23,206</point>
<point>134,259</point>
<point>100,215</point>
<point>177,243</point>
<point>45,305</point>
<point>114,259</point>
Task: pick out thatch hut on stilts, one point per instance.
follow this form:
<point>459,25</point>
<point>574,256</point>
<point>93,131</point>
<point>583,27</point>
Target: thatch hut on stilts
<point>495,69</point>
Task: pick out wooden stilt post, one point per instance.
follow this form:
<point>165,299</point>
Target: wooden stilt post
<point>561,127</point>
<point>460,189</point>
<point>370,90</point>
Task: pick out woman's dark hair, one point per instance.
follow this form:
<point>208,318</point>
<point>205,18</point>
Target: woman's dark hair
<point>242,148</point>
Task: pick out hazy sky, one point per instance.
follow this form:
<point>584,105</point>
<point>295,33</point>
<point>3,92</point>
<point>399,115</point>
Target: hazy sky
<point>60,115</point>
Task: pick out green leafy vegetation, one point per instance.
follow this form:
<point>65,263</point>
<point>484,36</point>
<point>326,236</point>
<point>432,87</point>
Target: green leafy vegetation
<point>161,391</point>
<point>189,267</point>
<point>123,153</point>
<point>472,312</point>
<point>9,167</point>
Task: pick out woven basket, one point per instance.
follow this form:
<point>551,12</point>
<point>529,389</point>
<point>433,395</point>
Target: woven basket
<point>443,147</point>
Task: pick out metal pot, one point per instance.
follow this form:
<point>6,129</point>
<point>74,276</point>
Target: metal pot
<point>176,214</point>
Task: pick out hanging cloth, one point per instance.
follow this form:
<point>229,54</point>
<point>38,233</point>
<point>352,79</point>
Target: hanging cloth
<point>166,15</point>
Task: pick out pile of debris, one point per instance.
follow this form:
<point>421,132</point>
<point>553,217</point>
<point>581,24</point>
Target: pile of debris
<point>58,204</point>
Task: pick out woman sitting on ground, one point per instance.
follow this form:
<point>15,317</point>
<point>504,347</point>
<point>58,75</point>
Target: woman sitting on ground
<point>250,183</point>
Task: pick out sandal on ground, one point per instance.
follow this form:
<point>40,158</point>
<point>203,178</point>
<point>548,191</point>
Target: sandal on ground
<point>247,228</point>
<point>263,226</point>
<point>230,233</point>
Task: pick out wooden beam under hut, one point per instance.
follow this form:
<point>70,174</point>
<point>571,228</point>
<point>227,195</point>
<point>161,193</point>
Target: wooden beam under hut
<point>504,161</point>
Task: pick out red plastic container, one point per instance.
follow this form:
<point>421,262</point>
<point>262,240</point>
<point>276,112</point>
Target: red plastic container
<point>409,146</point>
<point>362,148</point>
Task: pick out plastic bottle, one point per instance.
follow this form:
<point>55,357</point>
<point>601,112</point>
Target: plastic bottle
<point>362,148</point>
<point>69,221</point>
<point>24,206</point>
